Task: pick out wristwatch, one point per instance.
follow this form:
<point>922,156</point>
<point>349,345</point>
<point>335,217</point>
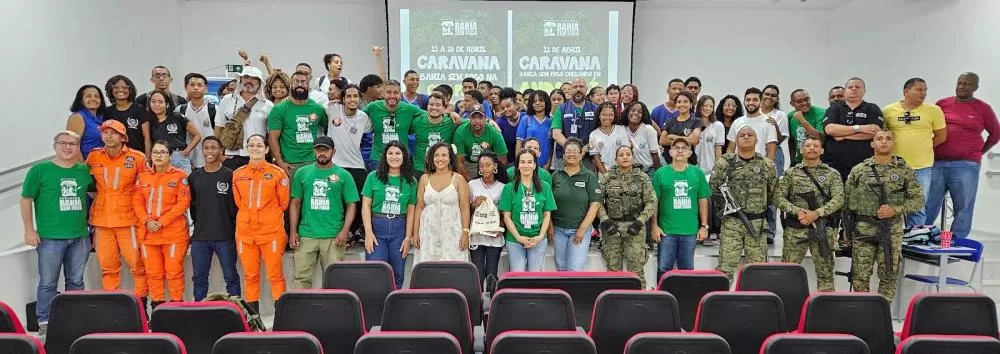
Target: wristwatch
<point>704,225</point>
<point>856,128</point>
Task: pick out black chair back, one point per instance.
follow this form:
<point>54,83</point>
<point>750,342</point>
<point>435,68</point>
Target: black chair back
<point>310,311</point>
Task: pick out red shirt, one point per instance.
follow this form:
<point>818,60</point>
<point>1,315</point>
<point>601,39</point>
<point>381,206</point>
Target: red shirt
<point>965,123</point>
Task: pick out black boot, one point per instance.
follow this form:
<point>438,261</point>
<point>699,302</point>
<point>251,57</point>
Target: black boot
<point>255,307</point>
<point>153,305</point>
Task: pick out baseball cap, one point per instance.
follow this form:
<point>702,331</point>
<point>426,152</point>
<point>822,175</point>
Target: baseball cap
<point>477,108</point>
<point>252,72</point>
<point>115,125</point>
<point>323,141</point>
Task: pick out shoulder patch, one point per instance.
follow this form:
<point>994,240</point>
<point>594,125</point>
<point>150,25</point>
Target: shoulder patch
<point>894,177</point>
<point>284,182</point>
<point>184,181</point>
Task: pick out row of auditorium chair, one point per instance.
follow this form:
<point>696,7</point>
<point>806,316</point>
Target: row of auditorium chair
<point>534,302</point>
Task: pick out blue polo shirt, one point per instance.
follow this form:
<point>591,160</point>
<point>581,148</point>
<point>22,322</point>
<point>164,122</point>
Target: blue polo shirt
<point>530,127</point>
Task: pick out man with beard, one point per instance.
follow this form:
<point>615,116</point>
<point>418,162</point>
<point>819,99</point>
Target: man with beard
<point>161,79</point>
<point>804,122</point>
<point>214,212</point>
<point>199,112</point>
<point>320,224</point>
<point>574,118</point>
<point>348,126</point>
<point>437,126</point>
<point>474,137</point>
<point>392,120</point>
<point>850,126</point>
<point>766,134</point>
<point>412,81</point>
<point>242,114</point>
<point>293,125</point>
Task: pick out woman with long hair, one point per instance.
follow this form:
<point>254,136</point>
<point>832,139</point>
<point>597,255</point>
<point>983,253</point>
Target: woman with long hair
<point>527,206</point>
<point>389,195</point>
<point>276,87</point>
<point>121,93</point>
<point>729,109</point>
<point>770,106</point>
<point>578,194</point>
<point>162,197</point>
<point>180,133</point>
<point>640,129</point>
<point>629,95</point>
<point>597,95</point>
<point>537,123</point>
<point>557,97</point>
<point>442,212</point>
<point>607,138</point>
<point>486,249</point>
<point>713,134</point>
<point>86,115</point>
<point>684,126</point>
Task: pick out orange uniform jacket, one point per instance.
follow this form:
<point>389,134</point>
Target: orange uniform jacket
<point>261,192</point>
<point>115,179</point>
<point>163,197</point>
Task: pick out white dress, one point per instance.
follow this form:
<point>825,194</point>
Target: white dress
<point>441,225</point>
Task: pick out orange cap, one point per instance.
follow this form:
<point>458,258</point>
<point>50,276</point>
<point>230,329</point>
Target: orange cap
<point>115,125</point>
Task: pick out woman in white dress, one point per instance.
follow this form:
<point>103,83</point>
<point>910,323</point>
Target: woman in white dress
<point>442,213</point>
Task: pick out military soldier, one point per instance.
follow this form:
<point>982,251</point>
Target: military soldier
<point>629,201</point>
<point>878,192</point>
<point>746,180</point>
<point>808,193</point>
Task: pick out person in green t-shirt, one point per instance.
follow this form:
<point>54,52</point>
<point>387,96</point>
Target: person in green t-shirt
<point>805,121</point>
<point>54,212</point>
<point>578,193</point>
<point>389,196</point>
<point>527,205</point>
<point>532,144</point>
<point>392,120</point>
<point>474,137</point>
<point>437,126</point>
<point>293,125</point>
<point>682,209</point>
<point>318,227</point>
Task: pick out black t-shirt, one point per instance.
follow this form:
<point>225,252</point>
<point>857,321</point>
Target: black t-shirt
<point>132,118</point>
<point>212,205</point>
<point>143,100</point>
<point>173,130</point>
<point>685,128</point>
<point>843,155</point>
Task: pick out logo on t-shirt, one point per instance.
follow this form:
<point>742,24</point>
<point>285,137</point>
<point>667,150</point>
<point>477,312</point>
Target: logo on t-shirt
<point>391,204</point>
<point>682,199</point>
<point>172,128</point>
<point>319,201</point>
<point>222,187</point>
<point>529,218</point>
<point>69,200</point>
<point>302,133</point>
<point>132,123</point>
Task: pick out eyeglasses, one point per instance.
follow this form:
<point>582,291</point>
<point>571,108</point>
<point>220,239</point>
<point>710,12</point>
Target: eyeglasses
<point>67,143</point>
<point>160,152</point>
<point>680,148</point>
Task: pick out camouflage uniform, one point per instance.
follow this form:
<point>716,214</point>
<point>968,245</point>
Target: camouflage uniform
<point>789,196</point>
<point>628,197</point>
<point>861,200</point>
<point>751,184</point>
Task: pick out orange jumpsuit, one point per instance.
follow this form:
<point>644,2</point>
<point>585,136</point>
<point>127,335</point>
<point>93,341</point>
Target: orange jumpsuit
<point>261,192</point>
<point>112,216</point>
<point>163,197</point>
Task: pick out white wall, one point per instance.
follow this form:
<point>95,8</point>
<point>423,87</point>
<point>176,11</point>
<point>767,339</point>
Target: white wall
<point>290,32</point>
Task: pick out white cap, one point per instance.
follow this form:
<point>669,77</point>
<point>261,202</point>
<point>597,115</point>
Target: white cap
<point>252,72</point>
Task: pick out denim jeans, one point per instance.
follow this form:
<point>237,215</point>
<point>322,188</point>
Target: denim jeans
<point>487,260</point>
<point>570,256</point>
<point>924,176</point>
<point>527,259</point>
<point>960,179</point>
<point>180,161</point>
<point>201,262</point>
<point>68,255</point>
<point>675,249</point>
<point>390,234</point>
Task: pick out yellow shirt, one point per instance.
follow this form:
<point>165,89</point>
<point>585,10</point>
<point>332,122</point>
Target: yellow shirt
<point>914,141</point>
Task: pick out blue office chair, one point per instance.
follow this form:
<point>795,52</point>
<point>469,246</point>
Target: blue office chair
<point>975,257</point>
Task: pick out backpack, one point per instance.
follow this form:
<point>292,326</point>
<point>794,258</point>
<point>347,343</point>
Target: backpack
<point>253,318</point>
<point>211,112</point>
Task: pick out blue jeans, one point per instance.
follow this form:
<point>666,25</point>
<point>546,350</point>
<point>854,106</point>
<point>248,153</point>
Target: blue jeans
<point>527,259</point>
<point>53,255</point>
<point>924,176</point>
<point>390,234</point>
<point>675,249</point>
<point>960,179</point>
<point>570,256</point>
<point>201,262</point>
<point>180,161</point>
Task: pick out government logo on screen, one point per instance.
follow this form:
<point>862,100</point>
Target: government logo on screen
<point>451,27</point>
<point>561,28</point>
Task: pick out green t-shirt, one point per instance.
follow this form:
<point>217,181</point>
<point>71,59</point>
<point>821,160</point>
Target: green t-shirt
<point>329,190</point>
<point>574,194</point>
<point>471,146</point>
<point>60,199</point>
<point>391,126</point>
<point>798,132</point>
<point>557,117</point>
<point>526,209</point>
<point>390,198</point>
<point>678,194</point>
<point>298,129</point>
<point>543,175</point>
<point>427,134</point>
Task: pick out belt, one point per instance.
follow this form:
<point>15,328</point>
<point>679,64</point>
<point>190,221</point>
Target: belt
<point>387,216</point>
<point>793,222</point>
<point>751,216</point>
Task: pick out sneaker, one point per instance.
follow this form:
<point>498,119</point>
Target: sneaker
<point>43,330</point>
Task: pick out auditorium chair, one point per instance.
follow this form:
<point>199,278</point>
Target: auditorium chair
<point>688,287</point>
<point>797,343</point>
<point>19,343</point>
<point>461,276</point>
<point>311,311</point>
<point>75,314</point>
<point>621,314</point>
<point>943,344</point>
<point>743,318</point>
<point>269,343</point>
<point>9,323</point>
<point>582,287</point>
<point>528,309</point>
<point>951,314</point>
<point>407,343</point>
<point>787,280</point>
<point>199,324</point>
<point>864,315</point>
<point>371,281</point>
<point>443,310</point>
<point>543,342</point>
<point>128,343</point>
<point>687,343</point>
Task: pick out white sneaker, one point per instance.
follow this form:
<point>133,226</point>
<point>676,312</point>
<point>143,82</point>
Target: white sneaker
<point>43,330</point>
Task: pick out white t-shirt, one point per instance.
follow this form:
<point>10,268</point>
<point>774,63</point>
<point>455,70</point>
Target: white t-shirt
<point>476,189</point>
<point>711,136</point>
<point>782,118</point>
<point>645,142</point>
<point>320,97</point>
<point>203,122</point>
<point>606,145</point>
<point>347,135</point>
<point>256,123</point>
<point>765,131</point>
